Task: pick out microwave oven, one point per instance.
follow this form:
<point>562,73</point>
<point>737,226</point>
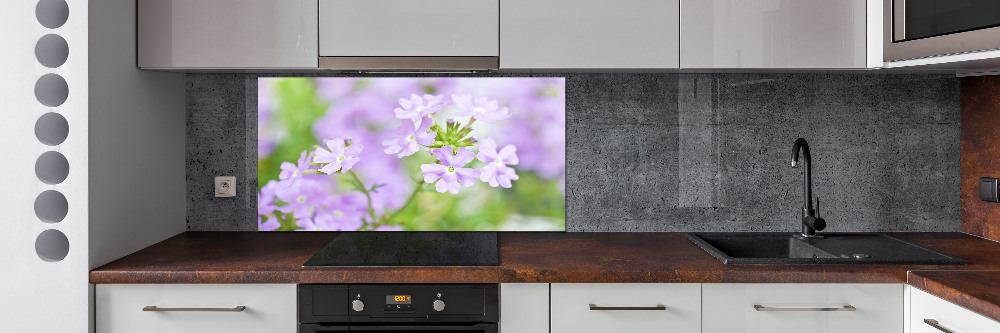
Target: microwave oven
<point>915,29</point>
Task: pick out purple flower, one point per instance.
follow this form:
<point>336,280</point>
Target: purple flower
<point>308,224</point>
<point>265,146</point>
<point>408,137</point>
<point>352,116</point>
<point>293,171</point>
<point>451,171</point>
<point>333,88</point>
<point>302,196</point>
<point>270,225</point>
<point>265,198</point>
<point>342,216</point>
<point>266,206</point>
<point>340,157</point>
<point>389,228</point>
<point>497,172</point>
<point>418,107</point>
<point>480,108</point>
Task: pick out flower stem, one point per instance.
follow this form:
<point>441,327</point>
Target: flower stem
<point>368,194</point>
<point>416,190</point>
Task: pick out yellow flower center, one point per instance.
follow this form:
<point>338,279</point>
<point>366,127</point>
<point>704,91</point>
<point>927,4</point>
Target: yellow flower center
<point>451,169</point>
<point>478,110</point>
<point>300,199</point>
<point>338,214</point>
<point>341,158</point>
<point>410,137</point>
<point>499,162</point>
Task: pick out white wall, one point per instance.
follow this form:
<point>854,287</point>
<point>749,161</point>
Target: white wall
<point>125,148</point>
<point>37,295</point>
<point>137,184</point>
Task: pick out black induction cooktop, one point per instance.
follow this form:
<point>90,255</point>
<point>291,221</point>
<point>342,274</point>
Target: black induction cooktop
<point>402,248</point>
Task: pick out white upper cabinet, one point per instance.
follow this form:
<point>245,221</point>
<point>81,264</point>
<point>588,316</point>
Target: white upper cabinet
<point>589,34</point>
<point>408,28</point>
<point>227,34</point>
<point>779,33</point>
<point>513,34</point>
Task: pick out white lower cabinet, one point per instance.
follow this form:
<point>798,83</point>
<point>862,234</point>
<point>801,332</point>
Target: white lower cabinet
<point>196,308</point>
<point>524,308</point>
<point>626,307</point>
<point>802,308</point>
<point>570,308</point>
<point>930,314</point>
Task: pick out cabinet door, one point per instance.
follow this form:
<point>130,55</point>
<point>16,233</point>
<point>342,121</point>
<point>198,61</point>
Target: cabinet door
<point>951,317</point>
<point>269,308</point>
<point>802,308</point>
<point>524,308</point>
<point>626,307</point>
<point>227,34</point>
<point>773,34</point>
<point>589,34</point>
<point>409,28</point>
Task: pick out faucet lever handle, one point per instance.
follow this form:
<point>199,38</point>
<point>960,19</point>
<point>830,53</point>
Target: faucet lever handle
<point>817,206</point>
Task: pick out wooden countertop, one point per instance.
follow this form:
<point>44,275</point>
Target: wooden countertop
<point>277,257</point>
<point>978,291</point>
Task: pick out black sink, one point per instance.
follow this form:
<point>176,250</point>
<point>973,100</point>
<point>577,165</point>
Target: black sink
<point>787,248</point>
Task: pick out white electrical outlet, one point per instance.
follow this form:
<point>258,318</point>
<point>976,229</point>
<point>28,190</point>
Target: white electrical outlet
<point>225,186</point>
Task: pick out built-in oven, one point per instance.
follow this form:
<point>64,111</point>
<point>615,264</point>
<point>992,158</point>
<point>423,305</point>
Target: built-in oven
<point>388,308</point>
<point>927,28</point>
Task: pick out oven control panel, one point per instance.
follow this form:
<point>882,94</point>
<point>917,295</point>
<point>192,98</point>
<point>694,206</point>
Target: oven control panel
<point>398,303</point>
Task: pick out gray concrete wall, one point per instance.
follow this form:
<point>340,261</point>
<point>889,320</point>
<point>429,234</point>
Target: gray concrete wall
<point>683,152</point>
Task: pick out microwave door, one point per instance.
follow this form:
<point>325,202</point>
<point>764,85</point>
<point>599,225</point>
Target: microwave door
<point>914,29</point>
<point>916,19</point>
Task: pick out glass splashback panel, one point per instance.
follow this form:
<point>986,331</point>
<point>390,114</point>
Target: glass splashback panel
<point>411,154</point>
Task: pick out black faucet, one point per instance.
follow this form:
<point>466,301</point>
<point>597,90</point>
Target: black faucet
<point>810,222</point>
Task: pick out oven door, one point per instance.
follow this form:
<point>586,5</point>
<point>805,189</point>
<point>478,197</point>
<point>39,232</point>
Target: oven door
<point>927,28</point>
<point>472,328</point>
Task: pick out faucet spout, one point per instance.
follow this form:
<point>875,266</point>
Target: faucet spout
<point>810,222</point>
<point>803,146</point>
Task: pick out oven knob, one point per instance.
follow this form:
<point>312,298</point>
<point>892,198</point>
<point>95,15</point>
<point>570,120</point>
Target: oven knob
<point>358,305</point>
<point>438,305</point>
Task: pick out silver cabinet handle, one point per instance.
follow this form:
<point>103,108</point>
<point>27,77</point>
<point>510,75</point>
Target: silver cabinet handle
<point>630,308</point>
<point>759,307</point>
<point>233,309</point>
<point>935,324</point>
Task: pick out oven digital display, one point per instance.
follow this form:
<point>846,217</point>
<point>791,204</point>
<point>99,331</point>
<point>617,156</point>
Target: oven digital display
<point>397,299</point>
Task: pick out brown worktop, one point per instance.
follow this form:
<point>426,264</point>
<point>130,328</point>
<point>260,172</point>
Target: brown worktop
<point>277,257</point>
<point>978,291</point>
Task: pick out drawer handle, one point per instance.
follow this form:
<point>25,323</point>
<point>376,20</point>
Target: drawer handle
<point>234,309</point>
<point>629,308</point>
<point>759,307</point>
<point>935,324</point>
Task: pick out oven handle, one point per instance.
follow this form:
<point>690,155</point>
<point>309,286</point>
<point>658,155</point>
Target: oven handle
<point>414,327</point>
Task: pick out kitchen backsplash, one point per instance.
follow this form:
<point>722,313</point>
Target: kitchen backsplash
<point>682,152</point>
